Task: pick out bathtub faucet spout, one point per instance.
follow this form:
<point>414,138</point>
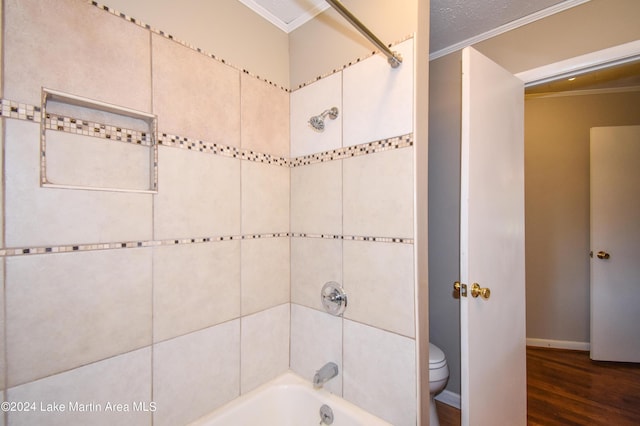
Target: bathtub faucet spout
<point>326,373</point>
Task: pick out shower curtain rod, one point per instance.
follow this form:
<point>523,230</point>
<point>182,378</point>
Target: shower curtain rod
<point>393,58</point>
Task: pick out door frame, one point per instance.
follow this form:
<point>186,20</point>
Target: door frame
<point>592,61</point>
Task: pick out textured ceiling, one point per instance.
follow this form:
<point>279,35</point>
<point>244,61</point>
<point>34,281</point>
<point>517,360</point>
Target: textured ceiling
<point>453,21</point>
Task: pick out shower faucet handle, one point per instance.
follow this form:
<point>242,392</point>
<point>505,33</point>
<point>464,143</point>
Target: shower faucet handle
<point>333,298</point>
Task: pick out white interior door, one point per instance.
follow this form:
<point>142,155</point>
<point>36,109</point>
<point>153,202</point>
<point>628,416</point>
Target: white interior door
<point>615,243</point>
<point>493,345</point>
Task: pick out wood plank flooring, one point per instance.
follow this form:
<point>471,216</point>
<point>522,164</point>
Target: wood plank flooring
<point>567,388</point>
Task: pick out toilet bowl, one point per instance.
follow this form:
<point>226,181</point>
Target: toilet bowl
<point>438,377</point>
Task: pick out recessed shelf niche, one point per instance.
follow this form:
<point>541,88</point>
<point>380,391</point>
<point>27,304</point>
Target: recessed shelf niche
<point>92,145</point>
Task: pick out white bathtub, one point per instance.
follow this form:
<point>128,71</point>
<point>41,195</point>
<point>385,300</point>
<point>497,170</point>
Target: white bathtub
<point>287,400</point>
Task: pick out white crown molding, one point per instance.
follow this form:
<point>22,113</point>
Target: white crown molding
<point>560,7</point>
<point>286,27</point>
<point>307,16</point>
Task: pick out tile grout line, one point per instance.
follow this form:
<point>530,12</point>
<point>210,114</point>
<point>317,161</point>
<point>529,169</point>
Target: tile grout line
<point>153,233</point>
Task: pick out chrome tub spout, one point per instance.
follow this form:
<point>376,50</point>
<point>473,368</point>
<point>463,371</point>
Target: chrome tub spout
<point>326,373</point>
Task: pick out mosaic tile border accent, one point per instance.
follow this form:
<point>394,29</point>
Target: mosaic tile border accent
<point>70,248</point>
<point>11,109</point>
<point>397,142</point>
<point>212,56</point>
<point>220,149</point>
<point>20,111</point>
<point>355,238</point>
<point>98,130</point>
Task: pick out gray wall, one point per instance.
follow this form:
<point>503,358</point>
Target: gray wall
<point>521,49</point>
<point>444,208</point>
<point>557,207</point>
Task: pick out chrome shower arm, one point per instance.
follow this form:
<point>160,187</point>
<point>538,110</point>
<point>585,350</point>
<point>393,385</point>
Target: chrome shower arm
<point>332,113</point>
<point>393,58</point>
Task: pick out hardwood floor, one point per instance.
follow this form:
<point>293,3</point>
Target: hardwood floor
<point>448,415</point>
<point>567,388</point>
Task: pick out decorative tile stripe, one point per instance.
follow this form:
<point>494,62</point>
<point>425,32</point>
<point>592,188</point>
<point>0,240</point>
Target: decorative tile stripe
<point>183,43</point>
<point>260,236</point>
<point>198,145</point>
<point>99,130</point>
<point>355,238</point>
<point>12,109</point>
<point>32,113</point>
<point>355,150</point>
<point>219,149</point>
<point>70,248</point>
<point>260,157</point>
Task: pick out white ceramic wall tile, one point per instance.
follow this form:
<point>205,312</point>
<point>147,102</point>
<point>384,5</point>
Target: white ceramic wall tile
<point>195,286</point>
<point>380,373</point>
<point>87,59</point>
<point>378,194</point>
<point>378,278</point>
<point>314,261</point>
<point>378,99</point>
<point>196,373</point>
<point>198,195</point>
<point>265,346</point>
<point>316,338</point>
<point>265,117</point>
<point>2,138</point>
<point>3,360</point>
<point>265,273</point>
<point>38,216</point>
<point>265,198</point>
<point>67,310</point>
<point>95,162</point>
<point>125,379</point>
<point>194,95</point>
<point>312,100</point>
<point>316,198</point>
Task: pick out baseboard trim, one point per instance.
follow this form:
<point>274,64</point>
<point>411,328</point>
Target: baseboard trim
<point>559,344</point>
<point>449,398</point>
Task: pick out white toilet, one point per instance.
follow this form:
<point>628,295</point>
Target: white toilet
<point>438,377</point>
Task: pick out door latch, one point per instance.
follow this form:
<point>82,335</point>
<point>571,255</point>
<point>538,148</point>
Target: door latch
<point>460,288</point>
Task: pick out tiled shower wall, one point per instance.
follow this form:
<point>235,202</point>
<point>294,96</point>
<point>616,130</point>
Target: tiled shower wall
<point>182,297</point>
<point>203,291</point>
<point>352,222</point>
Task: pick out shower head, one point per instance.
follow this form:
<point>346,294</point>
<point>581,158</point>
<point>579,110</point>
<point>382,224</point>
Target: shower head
<point>317,121</point>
